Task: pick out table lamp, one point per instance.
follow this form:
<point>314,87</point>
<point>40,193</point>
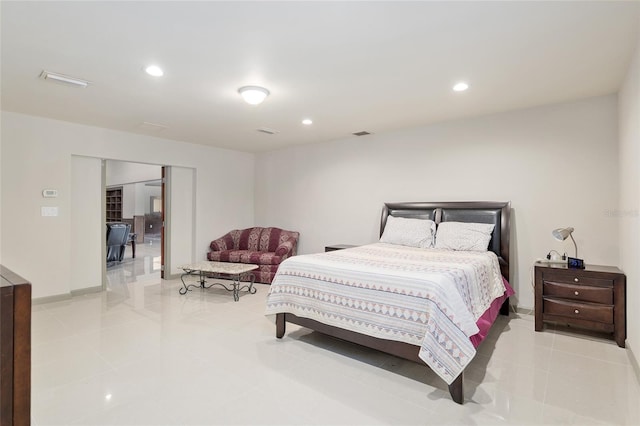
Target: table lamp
<point>561,234</point>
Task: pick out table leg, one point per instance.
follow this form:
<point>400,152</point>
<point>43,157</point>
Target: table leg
<point>185,288</point>
<point>236,285</point>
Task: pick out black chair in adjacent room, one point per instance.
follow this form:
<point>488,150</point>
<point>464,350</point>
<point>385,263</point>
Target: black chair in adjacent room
<point>117,238</point>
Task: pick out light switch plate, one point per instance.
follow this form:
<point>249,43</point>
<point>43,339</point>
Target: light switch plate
<point>49,211</point>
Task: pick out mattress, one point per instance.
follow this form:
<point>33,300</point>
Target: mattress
<point>425,297</point>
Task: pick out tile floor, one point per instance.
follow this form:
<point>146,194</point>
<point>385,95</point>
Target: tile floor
<point>141,354</point>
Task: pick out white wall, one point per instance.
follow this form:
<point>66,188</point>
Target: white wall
<point>180,190</point>
<point>128,200</point>
<point>0,188</point>
<point>556,164</point>
<point>87,223</point>
<point>132,178</point>
<point>36,154</point>
<point>122,172</point>
<point>136,198</point>
<point>143,197</point>
<point>629,211</point>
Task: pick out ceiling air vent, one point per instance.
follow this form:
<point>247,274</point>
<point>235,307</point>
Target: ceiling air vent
<point>146,125</point>
<point>362,133</point>
<point>268,130</point>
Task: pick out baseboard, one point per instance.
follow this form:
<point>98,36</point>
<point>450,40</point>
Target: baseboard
<point>634,361</point>
<point>88,290</point>
<point>522,310</point>
<point>67,296</point>
<point>49,299</point>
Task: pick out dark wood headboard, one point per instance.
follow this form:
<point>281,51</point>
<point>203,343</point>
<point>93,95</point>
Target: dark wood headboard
<point>497,213</point>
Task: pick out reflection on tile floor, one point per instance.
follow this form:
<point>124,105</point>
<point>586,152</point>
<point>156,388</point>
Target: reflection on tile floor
<point>141,354</point>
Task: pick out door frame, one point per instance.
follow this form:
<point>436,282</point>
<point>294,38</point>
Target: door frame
<point>163,194</point>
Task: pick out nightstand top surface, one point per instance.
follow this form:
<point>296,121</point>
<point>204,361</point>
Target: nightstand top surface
<point>341,246</point>
<point>588,268</point>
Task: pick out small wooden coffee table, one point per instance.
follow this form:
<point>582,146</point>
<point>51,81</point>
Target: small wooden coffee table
<point>219,270</point>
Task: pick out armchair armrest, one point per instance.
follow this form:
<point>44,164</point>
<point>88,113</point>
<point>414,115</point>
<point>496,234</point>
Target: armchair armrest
<point>285,249</point>
<point>217,245</point>
<point>223,243</point>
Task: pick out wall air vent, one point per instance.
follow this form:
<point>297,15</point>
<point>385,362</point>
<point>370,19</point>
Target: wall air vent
<point>362,133</point>
<point>268,131</point>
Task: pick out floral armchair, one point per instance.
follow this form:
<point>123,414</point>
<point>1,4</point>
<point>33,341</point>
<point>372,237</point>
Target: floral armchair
<point>265,247</point>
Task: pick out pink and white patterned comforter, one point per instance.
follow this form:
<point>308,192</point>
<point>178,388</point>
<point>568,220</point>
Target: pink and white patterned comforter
<point>426,297</point>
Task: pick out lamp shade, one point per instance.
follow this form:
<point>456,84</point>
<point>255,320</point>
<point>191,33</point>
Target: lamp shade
<point>253,95</point>
<point>562,234</point>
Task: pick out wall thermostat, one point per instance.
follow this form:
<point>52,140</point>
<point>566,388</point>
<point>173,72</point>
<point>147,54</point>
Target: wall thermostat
<point>49,193</point>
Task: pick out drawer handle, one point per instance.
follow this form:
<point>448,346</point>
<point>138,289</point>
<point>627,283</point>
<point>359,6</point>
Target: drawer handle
<point>576,311</point>
<point>576,292</point>
<point>576,280</point>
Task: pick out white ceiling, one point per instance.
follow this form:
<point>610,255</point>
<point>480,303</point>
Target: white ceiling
<point>350,66</point>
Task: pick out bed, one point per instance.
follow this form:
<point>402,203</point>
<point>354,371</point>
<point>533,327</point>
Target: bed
<point>396,298</point>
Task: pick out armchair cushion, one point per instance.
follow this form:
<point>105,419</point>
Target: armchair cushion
<point>246,256</point>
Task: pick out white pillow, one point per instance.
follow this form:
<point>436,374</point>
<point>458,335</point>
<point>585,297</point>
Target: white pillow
<point>464,236</point>
<point>409,232</point>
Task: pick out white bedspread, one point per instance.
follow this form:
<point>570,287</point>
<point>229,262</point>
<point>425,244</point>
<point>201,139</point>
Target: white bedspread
<point>426,297</point>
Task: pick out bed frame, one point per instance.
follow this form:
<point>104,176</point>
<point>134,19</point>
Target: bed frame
<point>497,213</point>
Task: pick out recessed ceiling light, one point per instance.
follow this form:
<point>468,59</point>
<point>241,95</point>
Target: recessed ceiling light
<point>154,70</point>
<point>460,87</point>
<point>307,121</point>
<point>253,95</point>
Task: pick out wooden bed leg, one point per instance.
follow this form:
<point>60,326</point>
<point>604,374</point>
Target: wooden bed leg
<point>281,325</point>
<point>456,391</point>
<point>504,309</point>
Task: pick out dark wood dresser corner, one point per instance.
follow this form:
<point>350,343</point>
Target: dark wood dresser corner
<point>15,349</point>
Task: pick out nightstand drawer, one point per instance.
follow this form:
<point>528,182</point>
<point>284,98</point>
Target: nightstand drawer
<point>582,311</point>
<point>584,293</point>
<point>569,277</point>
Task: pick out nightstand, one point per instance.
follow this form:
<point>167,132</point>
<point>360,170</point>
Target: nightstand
<point>592,298</point>
<point>335,247</point>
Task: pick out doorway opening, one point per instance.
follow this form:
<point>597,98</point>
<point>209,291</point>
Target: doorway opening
<point>134,217</point>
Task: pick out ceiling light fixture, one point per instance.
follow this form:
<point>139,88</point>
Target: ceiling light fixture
<point>460,87</point>
<point>253,95</point>
<point>61,78</point>
<point>307,122</point>
<point>154,70</point>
